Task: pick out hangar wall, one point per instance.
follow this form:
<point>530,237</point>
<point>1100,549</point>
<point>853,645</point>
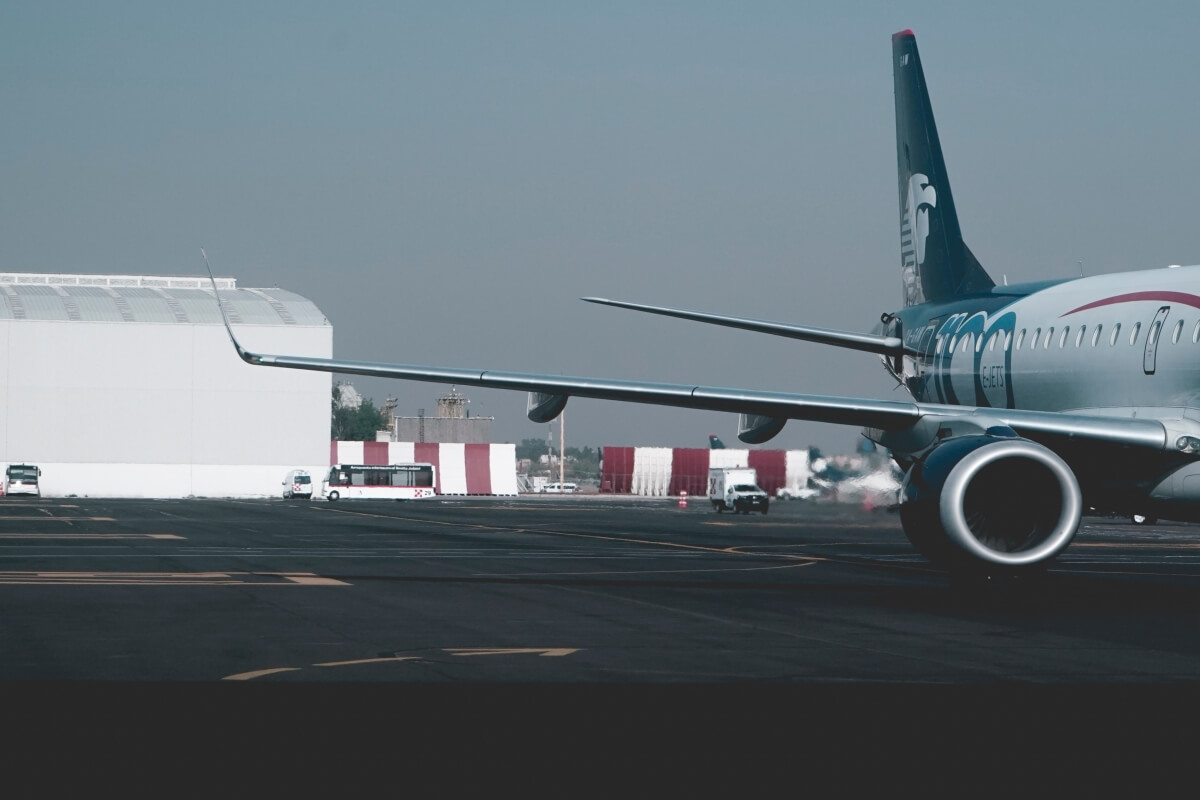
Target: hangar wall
<point>138,409</point>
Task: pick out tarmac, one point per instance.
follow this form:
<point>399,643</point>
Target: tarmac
<point>586,616</point>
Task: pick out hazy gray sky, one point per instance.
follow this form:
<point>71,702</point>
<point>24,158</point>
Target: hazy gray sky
<point>445,180</point>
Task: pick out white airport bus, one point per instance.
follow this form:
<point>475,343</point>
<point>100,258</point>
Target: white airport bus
<point>379,482</point>
<point>22,479</point>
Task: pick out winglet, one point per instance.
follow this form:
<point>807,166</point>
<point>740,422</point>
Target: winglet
<point>245,355</point>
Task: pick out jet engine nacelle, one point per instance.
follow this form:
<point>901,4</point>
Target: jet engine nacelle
<point>991,500</point>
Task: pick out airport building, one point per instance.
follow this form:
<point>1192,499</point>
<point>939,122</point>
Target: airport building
<point>128,386</point>
<point>452,423</point>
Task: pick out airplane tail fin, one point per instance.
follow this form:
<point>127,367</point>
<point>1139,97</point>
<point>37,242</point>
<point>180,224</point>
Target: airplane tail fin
<point>937,265</point>
<point>715,443</point>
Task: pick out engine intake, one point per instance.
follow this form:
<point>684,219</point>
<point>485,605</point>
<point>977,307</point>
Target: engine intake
<point>991,499</point>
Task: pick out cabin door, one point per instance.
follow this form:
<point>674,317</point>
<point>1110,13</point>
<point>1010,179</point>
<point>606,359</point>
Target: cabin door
<point>1150,357</point>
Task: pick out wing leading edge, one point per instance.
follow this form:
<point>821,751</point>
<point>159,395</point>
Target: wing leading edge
<point>763,414</point>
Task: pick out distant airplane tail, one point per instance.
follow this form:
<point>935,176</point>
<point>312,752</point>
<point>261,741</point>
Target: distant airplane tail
<point>714,443</point>
<point>937,265</point>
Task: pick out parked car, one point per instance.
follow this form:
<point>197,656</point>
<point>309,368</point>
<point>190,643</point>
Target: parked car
<point>298,483</point>
<point>559,488</point>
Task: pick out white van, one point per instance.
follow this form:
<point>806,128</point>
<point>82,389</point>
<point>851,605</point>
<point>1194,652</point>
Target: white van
<point>298,483</point>
<point>558,488</point>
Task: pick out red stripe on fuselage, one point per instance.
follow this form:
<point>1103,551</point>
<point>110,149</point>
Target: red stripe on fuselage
<point>1135,297</point>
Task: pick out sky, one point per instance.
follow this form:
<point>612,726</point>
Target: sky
<point>446,180</point>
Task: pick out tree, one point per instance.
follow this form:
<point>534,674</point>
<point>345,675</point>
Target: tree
<point>355,424</point>
<point>583,462</point>
<point>533,449</point>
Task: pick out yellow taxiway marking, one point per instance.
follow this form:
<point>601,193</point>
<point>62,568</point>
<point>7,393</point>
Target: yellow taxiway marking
<point>380,660</point>
<point>733,550</point>
<point>48,518</point>
<point>82,535</point>
<point>454,651</point>
<point>807,561</point>
<point>36,578</point>
<point>258,673</point>
<point>356,513</point>
<point>314,580</point>
<point>510,651</point>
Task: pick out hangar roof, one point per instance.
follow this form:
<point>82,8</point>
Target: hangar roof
<point>144,298</point>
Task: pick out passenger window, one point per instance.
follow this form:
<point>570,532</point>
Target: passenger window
<point>1079,336</point>
<point>952,345</point>
<point>1062,339</point>
<point>1021,336</point>
<point>1152,334</point>
<point>1096,334</point>
<point>1178,330</point>
<point>1049,336</point>
<point>967,342</point>
<point>941,340</point>
<point>1112,340</point>
<point>992,342</point>
<point>1133,334</point>
<point>1007,340</point>
<point>979,342</point>
<point>1033,340</point>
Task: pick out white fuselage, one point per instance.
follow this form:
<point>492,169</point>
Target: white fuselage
<point>1126,340</point>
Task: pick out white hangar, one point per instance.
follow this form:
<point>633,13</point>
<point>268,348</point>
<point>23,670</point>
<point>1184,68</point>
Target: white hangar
<point>128,386</point>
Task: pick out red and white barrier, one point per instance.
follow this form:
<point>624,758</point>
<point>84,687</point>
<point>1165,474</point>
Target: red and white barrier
<point>667,471</point>
<point>479,469</point>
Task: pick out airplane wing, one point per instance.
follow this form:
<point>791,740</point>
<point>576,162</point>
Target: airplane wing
<point>890,346</point>
<point>549,393</point>
<point>763,414</point>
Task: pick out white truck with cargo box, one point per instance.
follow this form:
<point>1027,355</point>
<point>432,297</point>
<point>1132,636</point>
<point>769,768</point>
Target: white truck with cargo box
<point>736,489</point>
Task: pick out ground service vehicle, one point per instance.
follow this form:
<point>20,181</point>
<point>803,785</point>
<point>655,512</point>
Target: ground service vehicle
<point>22,479</point>
<point>379,482</point>
<point>559,488</point>
<point>298,483</point>
<point>736,489</point>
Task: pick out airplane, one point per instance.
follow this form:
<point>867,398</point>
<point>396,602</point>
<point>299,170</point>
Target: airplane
<point>715,443</point>
<point>1027,405</point>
